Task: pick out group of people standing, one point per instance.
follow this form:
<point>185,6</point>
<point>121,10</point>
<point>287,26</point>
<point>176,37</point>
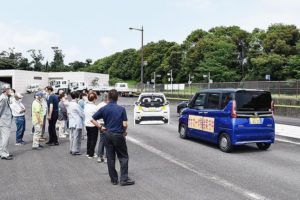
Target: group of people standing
<point>106,119</point>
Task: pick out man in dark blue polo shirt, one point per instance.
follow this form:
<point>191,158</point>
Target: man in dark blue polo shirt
<point>52,116</point>
<point>115,128</point>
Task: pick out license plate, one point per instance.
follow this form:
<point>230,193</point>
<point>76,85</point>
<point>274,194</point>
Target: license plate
<point>152,110</point>
<point>255,120</point>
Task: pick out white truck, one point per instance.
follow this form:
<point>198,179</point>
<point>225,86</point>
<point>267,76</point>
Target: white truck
<point>67,86</point>
<point>32,88</point>
<point>77,86</point>
<point>59,85</point>
<point>100,88</point>
<point>123,89</point>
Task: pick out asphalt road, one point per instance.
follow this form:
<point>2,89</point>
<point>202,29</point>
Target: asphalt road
<point>163,165</point>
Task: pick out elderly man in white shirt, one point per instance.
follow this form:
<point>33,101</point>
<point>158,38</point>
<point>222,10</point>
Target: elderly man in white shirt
<point>18,111</point>
<point>76,116</point>
<point>5,121</point>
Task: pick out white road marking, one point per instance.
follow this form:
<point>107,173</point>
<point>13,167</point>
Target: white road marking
<point>287,141</point>
<point>218,180</point>
<point>287,130</point>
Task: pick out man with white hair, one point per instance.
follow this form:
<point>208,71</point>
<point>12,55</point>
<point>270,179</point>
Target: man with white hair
<point>5,121</point>
<point>18,111</point>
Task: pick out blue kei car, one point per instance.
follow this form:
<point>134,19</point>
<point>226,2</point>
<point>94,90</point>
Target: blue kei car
<point>229,117</point>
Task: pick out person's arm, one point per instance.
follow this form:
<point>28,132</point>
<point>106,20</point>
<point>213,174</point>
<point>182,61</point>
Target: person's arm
<point>50,111</point>
<point>2,106</point>
<point>125,126</point>
<point>23,109</point>
<point>125,122</point>
<point>50,107</point>
<point>36,112</point>
<point>80,111</point>
<point>40,121</point>
<point>98,115</point>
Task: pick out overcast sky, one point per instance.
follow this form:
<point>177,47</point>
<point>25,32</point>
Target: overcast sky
<point>97,28</point>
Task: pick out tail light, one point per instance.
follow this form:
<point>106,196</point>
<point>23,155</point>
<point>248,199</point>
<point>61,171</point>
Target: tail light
<point>233,109</point>
<point>272,107</point>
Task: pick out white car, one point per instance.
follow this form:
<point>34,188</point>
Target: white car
<point>151,107</point>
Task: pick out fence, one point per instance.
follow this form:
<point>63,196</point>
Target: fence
<point>280,89</point>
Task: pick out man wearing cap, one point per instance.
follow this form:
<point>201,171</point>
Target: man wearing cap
<point>18,111</point>
<point>37,120</point>
<point>5,122</point>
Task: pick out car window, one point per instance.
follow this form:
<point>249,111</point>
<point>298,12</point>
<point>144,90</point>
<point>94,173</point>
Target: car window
<point>199,101</point>
<point>226,97</point>
<point>152,101</point>
<point>253,100</point>
<point>212,101</point>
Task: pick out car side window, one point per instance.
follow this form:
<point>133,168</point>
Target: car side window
<point>199,101</point>
<point>226,97</point>
<point>213,100</point>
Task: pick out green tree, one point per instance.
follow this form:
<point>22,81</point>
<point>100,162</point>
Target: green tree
<point>37,57</point>
<point>57,64</point>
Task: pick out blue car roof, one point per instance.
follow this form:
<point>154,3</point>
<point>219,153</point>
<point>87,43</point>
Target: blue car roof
<point>231,90</point>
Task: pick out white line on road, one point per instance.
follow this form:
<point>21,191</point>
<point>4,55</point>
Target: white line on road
<point>218,180</point>
<point>287,141</point>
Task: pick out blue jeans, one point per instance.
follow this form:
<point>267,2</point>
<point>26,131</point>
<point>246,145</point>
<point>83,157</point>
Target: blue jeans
<point>20,123</point>
<point>101,145</point>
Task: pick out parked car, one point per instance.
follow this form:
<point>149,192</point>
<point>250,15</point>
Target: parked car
<point>151,107</point>
<point>182,105</point>
<point>230,117</point>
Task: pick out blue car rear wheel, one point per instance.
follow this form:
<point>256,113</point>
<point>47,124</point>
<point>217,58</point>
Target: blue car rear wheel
<point>263,146</point>
<point>225,143</point>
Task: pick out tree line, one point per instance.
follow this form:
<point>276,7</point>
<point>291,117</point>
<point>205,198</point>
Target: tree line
<point>10,59</point>
<point>227,53</point>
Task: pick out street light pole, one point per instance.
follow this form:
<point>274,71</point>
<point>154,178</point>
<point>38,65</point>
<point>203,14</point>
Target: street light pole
<point>154,81</point>
<point>142,54</point>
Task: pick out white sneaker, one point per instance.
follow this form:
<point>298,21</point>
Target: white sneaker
<point>99,160</point>
<point>62,136</point>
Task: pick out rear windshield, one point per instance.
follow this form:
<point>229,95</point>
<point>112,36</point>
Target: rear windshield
<point>253,100</point>
<point>152,101</point>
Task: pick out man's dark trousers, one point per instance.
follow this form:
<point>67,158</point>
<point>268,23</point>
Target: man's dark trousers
<point>116,144</point>
<point>52,128</point>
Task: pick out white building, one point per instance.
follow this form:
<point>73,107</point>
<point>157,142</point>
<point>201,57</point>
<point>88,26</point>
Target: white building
<point>20,79</point>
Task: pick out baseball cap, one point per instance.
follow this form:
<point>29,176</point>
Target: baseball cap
<point>39,94</point>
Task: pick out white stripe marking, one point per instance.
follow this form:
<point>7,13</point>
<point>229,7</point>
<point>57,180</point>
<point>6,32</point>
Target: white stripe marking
<point>218,180</point>
<point>287,141</point>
